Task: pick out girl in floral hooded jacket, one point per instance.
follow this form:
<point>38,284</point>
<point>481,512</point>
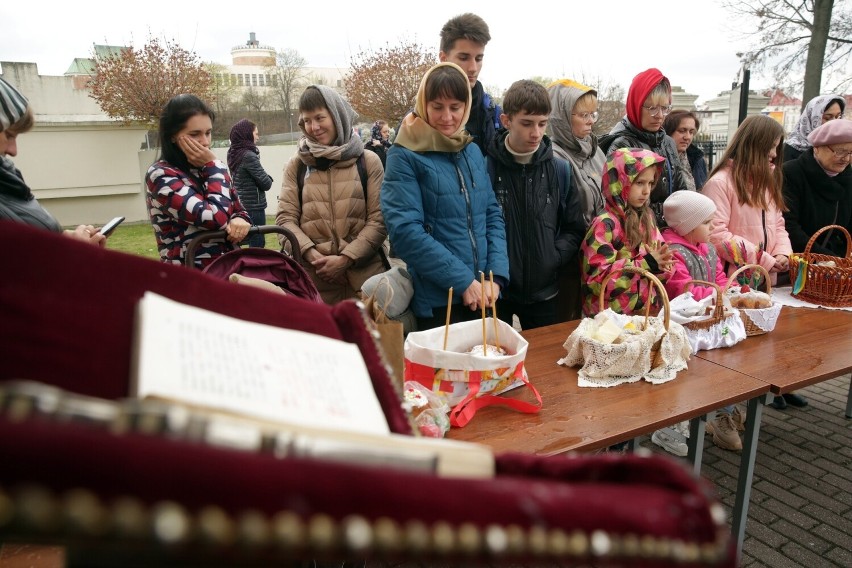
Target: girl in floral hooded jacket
<point>625,235</point>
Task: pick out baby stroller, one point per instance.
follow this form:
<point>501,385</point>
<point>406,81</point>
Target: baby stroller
<point>271,266</point>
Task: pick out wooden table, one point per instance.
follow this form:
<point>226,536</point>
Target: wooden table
<point>807,346</point>
<point>587,418</point>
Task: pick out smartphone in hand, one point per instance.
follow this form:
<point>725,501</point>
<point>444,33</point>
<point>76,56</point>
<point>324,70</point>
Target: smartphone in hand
<point>110,227</point>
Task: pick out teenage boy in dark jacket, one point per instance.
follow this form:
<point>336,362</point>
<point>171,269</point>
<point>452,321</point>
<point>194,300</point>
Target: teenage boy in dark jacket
<point>541,208</point>
<point>463,40</point>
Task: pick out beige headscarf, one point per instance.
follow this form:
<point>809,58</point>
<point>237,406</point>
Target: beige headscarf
<point>418,136</point>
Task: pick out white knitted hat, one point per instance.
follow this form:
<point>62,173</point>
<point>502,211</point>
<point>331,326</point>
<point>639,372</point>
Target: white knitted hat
<point>684,210</point>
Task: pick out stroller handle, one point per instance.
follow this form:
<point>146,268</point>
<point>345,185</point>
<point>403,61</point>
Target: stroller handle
<point>193,243</point>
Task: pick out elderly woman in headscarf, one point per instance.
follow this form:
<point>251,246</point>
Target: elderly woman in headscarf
<point>336,219</point>
<point>818,189</point>
<point>250,179</point>
<point>442,215</point>
<point>649,101</point>
<point>818,111</point>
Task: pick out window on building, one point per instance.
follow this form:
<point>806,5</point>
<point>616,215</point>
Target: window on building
<point>339,84</point>
<point>261,80</point>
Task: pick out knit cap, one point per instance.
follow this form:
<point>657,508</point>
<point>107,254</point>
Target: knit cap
<point>684,210</point>
<point>13,105</point>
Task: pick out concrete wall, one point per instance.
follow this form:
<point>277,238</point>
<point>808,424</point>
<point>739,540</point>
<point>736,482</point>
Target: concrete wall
<point>85,167</point>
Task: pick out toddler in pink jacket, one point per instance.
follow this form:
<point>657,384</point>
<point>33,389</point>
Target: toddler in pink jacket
<point>689,216</point>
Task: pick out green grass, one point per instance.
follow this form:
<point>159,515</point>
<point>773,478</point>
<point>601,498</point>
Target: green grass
<point>138,239</point>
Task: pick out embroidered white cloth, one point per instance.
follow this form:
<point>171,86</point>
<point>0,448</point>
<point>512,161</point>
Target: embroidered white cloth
<point>729,331</point>
<point>629,359</point>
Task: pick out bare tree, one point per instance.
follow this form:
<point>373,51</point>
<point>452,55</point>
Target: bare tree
<point>135,85</point>
<point>287,77</point>
<point>795,35</point>
<point>224,91</point>
<point>384,82</point>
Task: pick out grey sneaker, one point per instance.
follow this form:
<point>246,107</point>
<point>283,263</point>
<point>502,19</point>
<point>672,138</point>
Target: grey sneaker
<point>671,440</point>
<point>724,432</point>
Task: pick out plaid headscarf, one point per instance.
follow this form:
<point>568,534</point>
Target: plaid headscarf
<point>13,104</point>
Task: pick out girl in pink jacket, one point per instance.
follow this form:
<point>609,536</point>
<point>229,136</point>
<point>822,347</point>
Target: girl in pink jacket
<point>746,188</point>
<point>689,216</point>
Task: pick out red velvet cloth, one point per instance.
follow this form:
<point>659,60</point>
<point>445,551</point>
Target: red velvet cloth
<point>67,312</point>
<point>67,319</point>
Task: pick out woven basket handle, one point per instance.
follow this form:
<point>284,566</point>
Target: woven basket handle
<point>733,276</point>
<point>719,309</point>
<point>654,280</point>
<point>813,238</point>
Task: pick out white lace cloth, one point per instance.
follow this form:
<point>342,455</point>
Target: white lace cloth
<point>685,309</point>
<point>611,364</point>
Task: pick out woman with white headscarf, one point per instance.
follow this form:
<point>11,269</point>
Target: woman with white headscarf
<point>818,111</point>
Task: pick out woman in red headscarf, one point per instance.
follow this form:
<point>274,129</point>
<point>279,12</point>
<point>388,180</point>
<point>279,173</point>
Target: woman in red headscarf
<point>649,101</point>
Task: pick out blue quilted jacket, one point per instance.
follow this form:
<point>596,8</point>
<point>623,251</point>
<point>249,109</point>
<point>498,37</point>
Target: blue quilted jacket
<point>443,220</point>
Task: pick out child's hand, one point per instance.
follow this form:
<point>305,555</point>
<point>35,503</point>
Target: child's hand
<point>782,263</point>
<point>663,255</point>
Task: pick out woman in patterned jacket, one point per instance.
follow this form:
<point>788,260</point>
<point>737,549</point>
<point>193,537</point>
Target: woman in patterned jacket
<point>625,235</point>
<point>189,189</point>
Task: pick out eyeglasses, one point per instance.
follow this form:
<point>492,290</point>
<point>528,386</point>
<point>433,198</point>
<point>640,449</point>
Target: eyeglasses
<point>826,117</point>
<point>656,111</point>
<point>586,116</point>
<point>841,154</point>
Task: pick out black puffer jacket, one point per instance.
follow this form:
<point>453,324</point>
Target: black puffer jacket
<point>252,182</point>
<point>626,135</point>
<point>816,200</point>
<point>544,225</point>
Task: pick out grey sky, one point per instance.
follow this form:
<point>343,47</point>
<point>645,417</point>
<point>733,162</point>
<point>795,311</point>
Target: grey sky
<point>690,41</point>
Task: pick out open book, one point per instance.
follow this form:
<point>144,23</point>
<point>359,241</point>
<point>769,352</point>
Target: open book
<point>313,390</point>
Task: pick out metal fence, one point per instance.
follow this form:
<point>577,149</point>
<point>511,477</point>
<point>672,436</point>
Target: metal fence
<point>713,146</point>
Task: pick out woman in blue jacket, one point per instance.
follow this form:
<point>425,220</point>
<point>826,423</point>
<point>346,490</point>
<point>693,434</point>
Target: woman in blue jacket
<point>441,213</point>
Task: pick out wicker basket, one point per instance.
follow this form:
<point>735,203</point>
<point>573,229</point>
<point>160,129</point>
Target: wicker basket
<point>655,349</point>
<point>769,316</point>
<point>825,285</point>
<point>718,310</point>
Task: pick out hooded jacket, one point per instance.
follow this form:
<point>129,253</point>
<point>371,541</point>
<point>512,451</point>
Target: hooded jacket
<point>629,134</point>
<point>816,200</point>
<point>442,216</point>
<point>703,256</point>
<point>543,223</point>
<point>584,155</point>
<point>604,248</point>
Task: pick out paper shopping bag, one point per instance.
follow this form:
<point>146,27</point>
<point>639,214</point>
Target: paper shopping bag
<point>469,381</point>
<point>390,336</point>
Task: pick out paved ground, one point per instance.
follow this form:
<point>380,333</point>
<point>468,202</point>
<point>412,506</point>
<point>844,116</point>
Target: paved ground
<point>800,513</point>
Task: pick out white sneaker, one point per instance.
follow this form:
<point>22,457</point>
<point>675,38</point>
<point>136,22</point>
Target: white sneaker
<point>671,440</point>
<point>682,428</point>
